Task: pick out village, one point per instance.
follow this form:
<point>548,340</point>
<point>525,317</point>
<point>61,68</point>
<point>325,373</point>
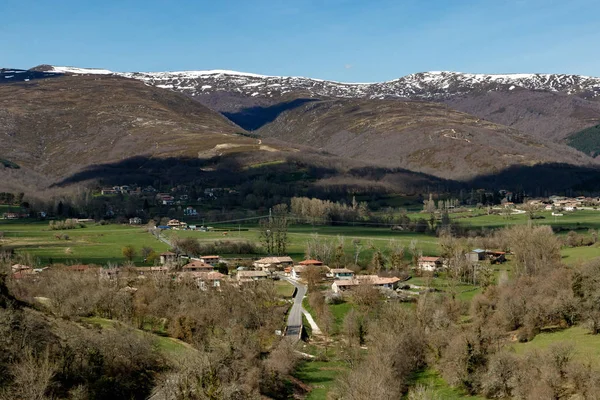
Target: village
<point>212,272</point>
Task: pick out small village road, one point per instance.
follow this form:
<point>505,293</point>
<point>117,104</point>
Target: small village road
<point>294,324</point>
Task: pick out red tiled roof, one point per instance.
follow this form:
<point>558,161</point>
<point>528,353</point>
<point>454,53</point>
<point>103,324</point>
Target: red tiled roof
<point>311,262</point>
<point>429,259</point>
<point>198,265</point>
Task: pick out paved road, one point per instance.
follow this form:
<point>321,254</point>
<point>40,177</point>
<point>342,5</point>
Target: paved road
<point>294,324</point>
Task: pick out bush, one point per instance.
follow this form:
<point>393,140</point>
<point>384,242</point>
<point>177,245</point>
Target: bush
<point>66,224</point>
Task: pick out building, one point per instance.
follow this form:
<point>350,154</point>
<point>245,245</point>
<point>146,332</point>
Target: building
<point>190,211</point>
<point>429,263</point>
<point>248,276</point>
<point>476,255</point>
<point>20,271</point>
<point>372,280</point>
<point>198,266</point>
<point>176,224</point>
<point>341,273</point>
<point>151,270</point>
<point>273,263</point>
<point>106,191</point>
<point>135,221</point>
<point>205,279</point>
<point>212,260</point>
<point>316,263</point>
<point>165,199</point>
<point>167,258</point>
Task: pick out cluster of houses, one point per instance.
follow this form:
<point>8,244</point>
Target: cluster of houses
<point>178,225</point>
<point>343,278</point>
<point>562,203</point>
<point>127,189</point>
<point>435,264</point>
<point>13,215</point>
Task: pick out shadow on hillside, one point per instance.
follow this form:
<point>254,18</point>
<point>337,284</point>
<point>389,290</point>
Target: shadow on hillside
<point>542,179</point>
<point>297,174</point>
<point>253,118</point>
<point>318,175</point>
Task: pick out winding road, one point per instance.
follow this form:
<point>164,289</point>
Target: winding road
<point>294,323</point>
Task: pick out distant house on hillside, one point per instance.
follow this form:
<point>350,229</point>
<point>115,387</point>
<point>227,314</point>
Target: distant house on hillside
<point>176,224</point>
<point>212,260</point>
<point>190,211</point>
<point>11,215</point>
<point>204,279</point>
<point>135,221</point>
<point>273,263</point>
<point>371,280</point>
<point>429,263</point>
<point>316,263</point>
<point>341,273</point>
<point>198,266</point>
<point>151,270</point>
<point>476,255</point>
<point>167,258</point>
<point>247,276</point>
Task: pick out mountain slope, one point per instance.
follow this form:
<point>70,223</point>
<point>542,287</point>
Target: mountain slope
<point>420,136</point>
<point>433,85</point>
<point>541,105</point>
<point>540,114</point>
<point>55,127</point>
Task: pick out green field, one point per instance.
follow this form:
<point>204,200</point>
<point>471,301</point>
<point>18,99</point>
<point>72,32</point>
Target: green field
<point>94,244</point>
<point>578,255</point>
<point>320,375</point>
<point>570,220</point>
<point>284,288</point>
<point>586,345</point>
<point>300,234</point>
<point>433,381</point>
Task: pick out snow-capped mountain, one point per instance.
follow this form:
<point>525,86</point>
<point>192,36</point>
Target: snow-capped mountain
<point>434,85</point>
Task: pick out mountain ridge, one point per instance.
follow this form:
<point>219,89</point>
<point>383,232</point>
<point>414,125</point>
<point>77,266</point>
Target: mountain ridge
<point>432,85</point>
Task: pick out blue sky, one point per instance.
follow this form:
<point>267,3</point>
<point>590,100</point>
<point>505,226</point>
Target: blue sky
<point>344,40</point>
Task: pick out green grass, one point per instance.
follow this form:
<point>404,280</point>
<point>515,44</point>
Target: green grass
<point>570,220</point>
<point>300,234</point>
<point>284,288</point>
<point>577,255</point>
<point>320,375</point>
<point>433,380</point>
<point>339,312</point>
<point>94,244</point>
<point>586,346</point>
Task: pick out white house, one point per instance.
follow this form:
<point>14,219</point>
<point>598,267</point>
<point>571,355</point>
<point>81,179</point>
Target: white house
<point>212,260</point>
<point>341,273</point>
<point>429,263</point>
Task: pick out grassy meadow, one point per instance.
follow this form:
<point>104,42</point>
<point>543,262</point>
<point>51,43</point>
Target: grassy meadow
<point>585,345</point>
<point>94,244</point>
